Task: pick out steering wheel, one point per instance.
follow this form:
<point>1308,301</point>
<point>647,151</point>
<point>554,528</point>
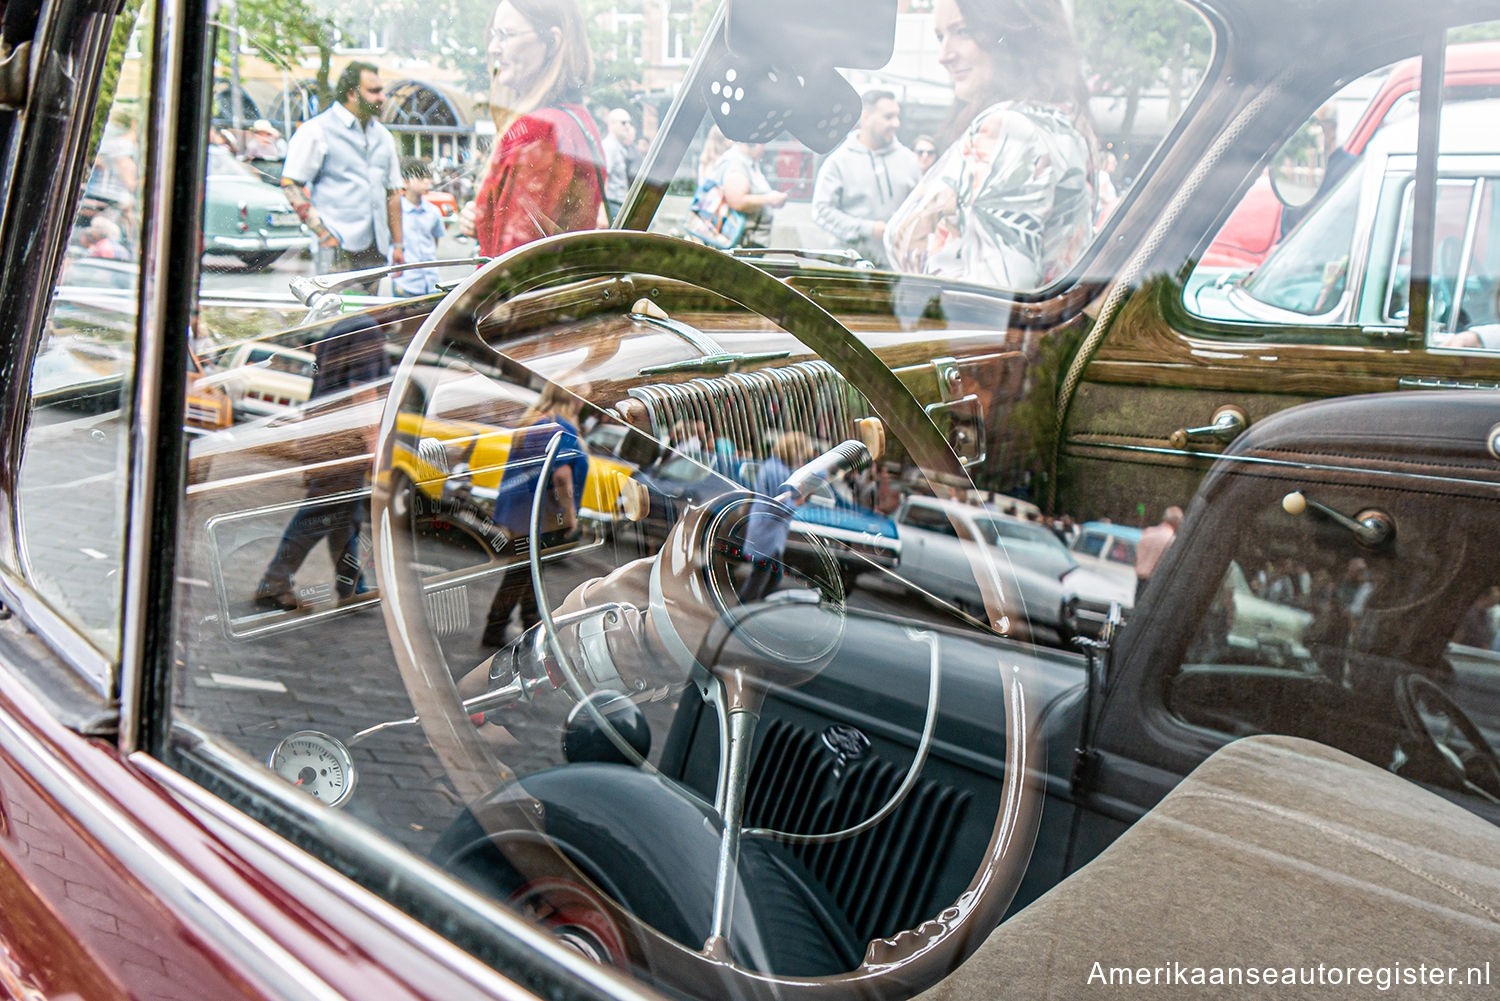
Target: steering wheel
<point>894,967</point>
<point>1432,716</point>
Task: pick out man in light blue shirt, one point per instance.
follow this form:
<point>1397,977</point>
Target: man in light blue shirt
<point>422,224</point>
<point>347,160</point>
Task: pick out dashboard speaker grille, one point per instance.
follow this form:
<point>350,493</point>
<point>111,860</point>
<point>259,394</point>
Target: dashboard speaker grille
<point>883,879</point>
<point>751,409</point>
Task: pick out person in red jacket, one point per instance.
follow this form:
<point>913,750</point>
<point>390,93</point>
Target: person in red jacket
<point>546,173</point>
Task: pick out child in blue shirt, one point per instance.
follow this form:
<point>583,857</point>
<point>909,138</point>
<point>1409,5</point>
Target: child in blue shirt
<point>421,228</point>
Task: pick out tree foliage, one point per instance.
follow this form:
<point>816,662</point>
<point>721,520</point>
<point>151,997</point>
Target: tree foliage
<point>1134,46</point>
<point>279,31</point>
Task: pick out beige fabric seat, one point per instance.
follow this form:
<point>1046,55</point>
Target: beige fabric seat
<point>1278,853</point>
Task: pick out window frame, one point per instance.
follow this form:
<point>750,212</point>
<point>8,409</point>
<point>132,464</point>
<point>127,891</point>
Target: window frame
<point>48,165</point>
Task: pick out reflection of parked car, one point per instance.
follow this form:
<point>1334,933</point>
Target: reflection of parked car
<point>1348,262</point>
<point>244,216</point>
<point>265,379</point>
<point>1058,597</point>
<point>858,538</point>
<point>459,412</point>
<point>1107,547</point>
<point>444,202</point>
<point>1256,225</point>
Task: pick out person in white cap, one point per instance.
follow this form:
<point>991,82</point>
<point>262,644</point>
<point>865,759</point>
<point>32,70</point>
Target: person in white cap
<point>264,142</point>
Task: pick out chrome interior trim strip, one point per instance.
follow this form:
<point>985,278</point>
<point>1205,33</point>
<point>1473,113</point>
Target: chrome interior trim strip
<point>1256,460</point>
<point>345,830</point>
<point>151,335</point>
<point>58,633</point>
<point>260,959</point>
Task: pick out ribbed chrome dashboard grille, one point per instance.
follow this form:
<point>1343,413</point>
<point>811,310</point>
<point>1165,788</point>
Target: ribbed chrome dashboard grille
<point>883,879</point>
<point>752,409</point>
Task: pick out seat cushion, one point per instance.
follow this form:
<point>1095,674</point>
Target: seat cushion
<point>1275,854</point>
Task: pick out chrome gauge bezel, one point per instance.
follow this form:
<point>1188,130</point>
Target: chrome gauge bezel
<point>333,747</point>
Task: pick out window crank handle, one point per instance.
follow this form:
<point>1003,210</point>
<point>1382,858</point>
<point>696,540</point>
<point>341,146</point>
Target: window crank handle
<point>1229,422</point>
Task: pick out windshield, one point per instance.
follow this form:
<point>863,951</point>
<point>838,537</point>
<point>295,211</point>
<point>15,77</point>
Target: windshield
<point>1310,270</point>
<point>906,163</point>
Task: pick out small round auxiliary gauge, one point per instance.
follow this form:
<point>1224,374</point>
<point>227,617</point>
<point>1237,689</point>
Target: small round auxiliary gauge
<point>316,763</point>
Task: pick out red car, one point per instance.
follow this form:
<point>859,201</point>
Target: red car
<point>1256,225</point>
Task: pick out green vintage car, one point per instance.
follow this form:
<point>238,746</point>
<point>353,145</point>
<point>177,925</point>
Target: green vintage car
<point>244,216</point>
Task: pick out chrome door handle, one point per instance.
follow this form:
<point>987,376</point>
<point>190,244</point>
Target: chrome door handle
<point>1229,423</point>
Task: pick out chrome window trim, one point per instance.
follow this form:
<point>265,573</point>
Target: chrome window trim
<point>1257,460</point>
<point>66,639</point>
<point>79,653</point>
<point>263,960</point>
<point>151,334</point>
<point>282,798</point>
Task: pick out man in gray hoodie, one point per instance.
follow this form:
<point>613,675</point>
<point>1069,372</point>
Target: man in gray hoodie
<point>864,181</point>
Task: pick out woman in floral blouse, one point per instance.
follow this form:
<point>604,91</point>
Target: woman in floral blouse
<point>1010,202</point>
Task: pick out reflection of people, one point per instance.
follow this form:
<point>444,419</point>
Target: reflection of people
<point>347,160</point>
<point>264,142</point>
<point>619,149</point>
<point>1104,184</point>
<point>714,146</point>
<point>1009,201</point>
<point>1477,627</point>
<point>422,225</point>
<point>865,180</point>
<point>1336,631</point>
<point>352,357</point>
<point>555,412</point>
<point>1153,545</point>
<point>767,531</point>
<point>545,175</point>
<point>887,493</point>
<point>747,190</point>
<point>926,152</point>
<point>102,238</point>
<point>116,173</point>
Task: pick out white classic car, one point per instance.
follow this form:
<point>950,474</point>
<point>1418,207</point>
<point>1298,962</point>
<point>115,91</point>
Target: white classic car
<point>1058,597</point>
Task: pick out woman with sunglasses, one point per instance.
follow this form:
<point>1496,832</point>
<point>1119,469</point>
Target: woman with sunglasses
<point>926,149</point>
<point>545,175</point>
<point>1009,202</point>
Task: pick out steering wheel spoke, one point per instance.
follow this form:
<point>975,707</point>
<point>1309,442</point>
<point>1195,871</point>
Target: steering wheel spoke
<point>1448,735</point>
<point>678,618</point>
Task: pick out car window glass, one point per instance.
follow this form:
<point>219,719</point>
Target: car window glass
<point>1290,242</point>
<point>74,468</point>
<point>1308,633</point>
<point>1466,257</point>
<point>548,464</point>
<point>1309,272</point>
<point>1026,211</point>
<point>1458,240</point>
<point>929,519</point>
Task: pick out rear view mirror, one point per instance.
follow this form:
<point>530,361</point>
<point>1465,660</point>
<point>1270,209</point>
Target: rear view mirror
<point>1298,168</point>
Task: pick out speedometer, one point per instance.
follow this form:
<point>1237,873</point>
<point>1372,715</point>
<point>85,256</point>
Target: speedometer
<point>316,763</point>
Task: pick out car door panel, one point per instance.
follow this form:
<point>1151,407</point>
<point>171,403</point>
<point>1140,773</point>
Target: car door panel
<point>1422,461</point>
